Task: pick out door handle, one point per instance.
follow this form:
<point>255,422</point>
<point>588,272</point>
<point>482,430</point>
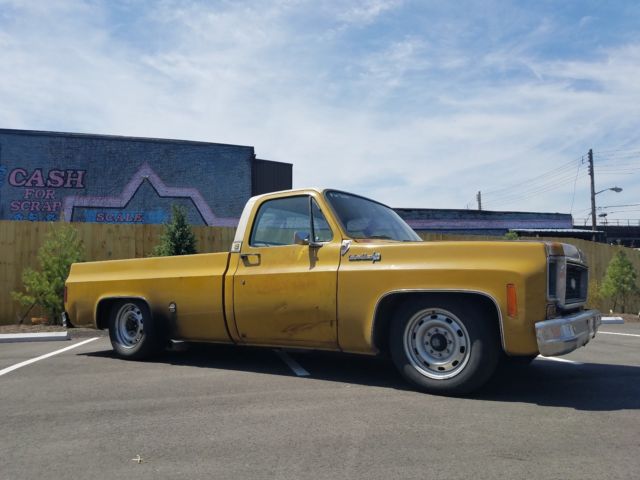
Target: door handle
<point>250,259</point>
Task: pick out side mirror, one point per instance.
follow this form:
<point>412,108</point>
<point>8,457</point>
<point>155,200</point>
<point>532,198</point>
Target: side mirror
<point>301,238</point>
<point>304,238</point>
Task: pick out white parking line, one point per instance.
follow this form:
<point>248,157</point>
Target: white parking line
<point>4,371</point>
<point>293,365</point>
<point>616,333</point>
<point>561,360</point>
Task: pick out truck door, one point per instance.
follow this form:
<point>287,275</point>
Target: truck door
<point>284,293</point>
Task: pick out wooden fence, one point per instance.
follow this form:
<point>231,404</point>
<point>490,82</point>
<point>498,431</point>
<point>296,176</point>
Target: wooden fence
<point>20,241</point>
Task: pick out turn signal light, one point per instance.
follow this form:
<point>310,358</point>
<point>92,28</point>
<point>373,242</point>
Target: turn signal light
<point>512,300</point>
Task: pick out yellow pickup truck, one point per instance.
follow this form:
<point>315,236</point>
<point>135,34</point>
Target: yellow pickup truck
<point>326,269</point>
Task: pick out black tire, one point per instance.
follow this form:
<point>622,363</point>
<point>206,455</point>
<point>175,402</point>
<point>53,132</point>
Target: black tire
<point>444,345</point>
<point>133,331</point>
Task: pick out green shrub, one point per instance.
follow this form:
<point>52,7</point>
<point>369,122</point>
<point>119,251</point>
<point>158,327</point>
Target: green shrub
<point>511,236</point>
<point>178,238</point>
<point>594,296</point>
<point>45,287</point>
<point>619,283</point>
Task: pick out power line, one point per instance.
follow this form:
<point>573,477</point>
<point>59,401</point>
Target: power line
<point>616,151</point>
<point>628,153</point>
<point>535,190</point>
<point>575,181</point>
<point>625,166</point>
<point>564,166</point>
<point>518,197</point>
<point>620,206</point>
<point>610,162</point>
<point>559,179</point>
<point>624,211</point>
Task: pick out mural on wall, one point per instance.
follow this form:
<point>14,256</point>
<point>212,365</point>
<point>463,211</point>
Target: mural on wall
<point>40,191</point>
<point>3,172</point>
<point>47,176</point>
<point>109,209</point>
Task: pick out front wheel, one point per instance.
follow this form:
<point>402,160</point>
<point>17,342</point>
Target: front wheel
<point>134,333</point>
<point>444,347</point>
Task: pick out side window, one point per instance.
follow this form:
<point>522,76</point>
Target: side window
<point>278,220</point>
<point>321,228</point>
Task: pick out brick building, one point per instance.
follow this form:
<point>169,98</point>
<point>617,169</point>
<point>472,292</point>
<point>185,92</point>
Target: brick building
<point>45,176</point>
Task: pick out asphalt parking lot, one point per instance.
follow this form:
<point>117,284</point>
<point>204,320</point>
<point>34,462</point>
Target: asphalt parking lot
<point>223,412</point>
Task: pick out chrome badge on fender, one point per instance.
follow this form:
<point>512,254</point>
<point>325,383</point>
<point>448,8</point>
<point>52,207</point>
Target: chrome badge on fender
<point>365,257</point>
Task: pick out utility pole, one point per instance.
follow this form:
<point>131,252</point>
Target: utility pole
<point>593,197</point>
<point>479,198</point>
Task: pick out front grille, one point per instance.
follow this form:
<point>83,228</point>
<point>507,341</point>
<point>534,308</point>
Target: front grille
<point>577,283</point>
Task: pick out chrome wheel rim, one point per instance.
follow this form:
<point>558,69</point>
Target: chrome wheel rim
<point>129,325</point>
<point>437,343</point>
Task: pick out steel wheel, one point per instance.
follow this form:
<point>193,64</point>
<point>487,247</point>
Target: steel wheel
<point>445,343</point>
<point>437,343</point>
<point>129,325</point>
<point>134,332</point>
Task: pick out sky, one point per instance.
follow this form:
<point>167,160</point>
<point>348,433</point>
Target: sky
<point>415,103</point>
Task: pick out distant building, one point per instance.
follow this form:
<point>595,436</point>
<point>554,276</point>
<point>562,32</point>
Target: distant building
<point>111,179</point>
<point>525,224</point>
<point>481,222</point>
<point>626,235</point>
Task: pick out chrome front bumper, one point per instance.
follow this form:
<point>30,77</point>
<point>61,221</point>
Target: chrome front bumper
<point>563,335</point>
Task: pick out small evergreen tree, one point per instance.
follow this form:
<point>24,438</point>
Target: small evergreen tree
<point>45,287</point>
<point>178,238</point>
<point>619,283</point>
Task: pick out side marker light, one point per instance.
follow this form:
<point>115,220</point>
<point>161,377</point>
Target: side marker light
<point>512,300</point>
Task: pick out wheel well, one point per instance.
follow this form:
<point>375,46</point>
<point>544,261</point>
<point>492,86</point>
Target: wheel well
<point>389,304</point>
<point>104,308</point>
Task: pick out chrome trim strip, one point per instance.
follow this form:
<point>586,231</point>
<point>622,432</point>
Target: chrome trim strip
<point>476,292</point>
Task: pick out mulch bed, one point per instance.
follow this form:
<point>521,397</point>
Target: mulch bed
<point>74,332</point>
<point>628,317</point>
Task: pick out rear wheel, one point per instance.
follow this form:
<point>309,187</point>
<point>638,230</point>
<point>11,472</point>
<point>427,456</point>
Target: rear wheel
<point>444,346</point>
<point>134,333</point>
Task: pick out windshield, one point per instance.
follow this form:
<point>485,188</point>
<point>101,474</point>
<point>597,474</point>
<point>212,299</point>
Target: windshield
<point>363,218</point>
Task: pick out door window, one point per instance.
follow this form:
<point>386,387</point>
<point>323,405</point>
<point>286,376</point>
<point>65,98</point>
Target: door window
<point>321,228</point>
<point>278,220</point>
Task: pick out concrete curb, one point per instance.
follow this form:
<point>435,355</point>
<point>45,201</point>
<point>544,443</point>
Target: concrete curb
<point>34,337</point>
<point>612,320</point>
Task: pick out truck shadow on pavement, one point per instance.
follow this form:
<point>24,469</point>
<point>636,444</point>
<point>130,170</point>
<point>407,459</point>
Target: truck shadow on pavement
<point>586,386</point>
<point>582,386</point>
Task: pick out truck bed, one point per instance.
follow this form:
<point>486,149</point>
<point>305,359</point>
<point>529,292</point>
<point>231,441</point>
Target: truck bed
<point>194,283</point>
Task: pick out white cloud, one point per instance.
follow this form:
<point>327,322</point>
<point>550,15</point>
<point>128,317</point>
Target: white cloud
<point>411,120</point>
<point>366,11</point>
